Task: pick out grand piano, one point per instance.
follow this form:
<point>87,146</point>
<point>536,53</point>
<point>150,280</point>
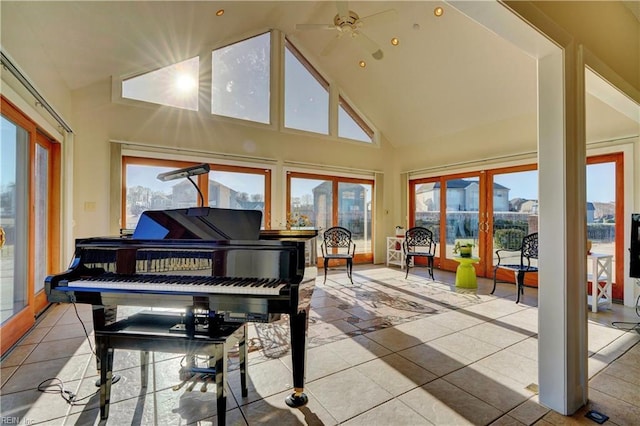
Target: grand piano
<point>215,265</point>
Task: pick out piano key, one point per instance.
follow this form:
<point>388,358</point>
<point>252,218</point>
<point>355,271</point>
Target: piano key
<point>178,284</point>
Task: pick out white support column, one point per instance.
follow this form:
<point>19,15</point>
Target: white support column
<point>562,299</point>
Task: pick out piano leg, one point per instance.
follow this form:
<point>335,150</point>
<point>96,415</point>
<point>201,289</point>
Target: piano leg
<point>105,355</point>
<point>102,317</point>
<point>243,352</point>
<point>144,368</point>
<point>298,325</point>
<point>220,370</point>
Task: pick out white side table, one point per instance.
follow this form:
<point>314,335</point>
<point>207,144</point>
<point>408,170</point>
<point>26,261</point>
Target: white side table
<point>600,278</point>
<point>395,256</point>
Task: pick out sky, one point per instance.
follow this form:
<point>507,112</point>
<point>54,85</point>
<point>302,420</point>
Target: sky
<point>146,176</point>
<point>600,183</point>
<point>7,153</point>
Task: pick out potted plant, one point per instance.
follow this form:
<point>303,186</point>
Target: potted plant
<point>463,248</point>
<point>297,221</point>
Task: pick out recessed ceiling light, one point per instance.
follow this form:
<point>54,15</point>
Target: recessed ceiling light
<point>438,11</point>
<point>220,12</point>
<point>395,41</point>
<point>362,64</point>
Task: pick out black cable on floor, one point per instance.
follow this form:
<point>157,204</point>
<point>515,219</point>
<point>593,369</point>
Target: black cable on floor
<point>627,325</point>
<point>67,395</point>
<point>84,328</point>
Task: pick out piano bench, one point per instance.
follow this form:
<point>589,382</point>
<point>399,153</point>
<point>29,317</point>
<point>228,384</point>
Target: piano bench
<point>156,332</point>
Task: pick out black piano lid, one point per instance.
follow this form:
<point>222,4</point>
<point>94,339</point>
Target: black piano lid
<point>204,223</point>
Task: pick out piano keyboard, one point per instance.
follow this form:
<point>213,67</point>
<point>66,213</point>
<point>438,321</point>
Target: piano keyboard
<point>186,284</point>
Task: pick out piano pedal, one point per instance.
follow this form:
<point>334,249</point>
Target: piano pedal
<point>114,379</point>
<point>179,385</point>
<point>192,385</point>
<point>207,378</point>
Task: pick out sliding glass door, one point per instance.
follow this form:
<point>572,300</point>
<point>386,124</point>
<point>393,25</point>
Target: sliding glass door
<point>605,214</point>
<point>14,219</point>
<point>462,209</point>
<point>28,221</point>
<point>496,215</point>
<point>513,207</point>
<point>452,207</point>
<point>321,202</point>
<point>479,209</point>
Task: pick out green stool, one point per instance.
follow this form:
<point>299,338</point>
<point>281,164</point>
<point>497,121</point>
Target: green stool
<point>466,273</point>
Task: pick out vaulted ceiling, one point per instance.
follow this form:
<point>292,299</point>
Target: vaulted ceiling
<point>446,75</point>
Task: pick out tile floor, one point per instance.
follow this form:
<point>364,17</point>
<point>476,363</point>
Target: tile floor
<point>382,351</point>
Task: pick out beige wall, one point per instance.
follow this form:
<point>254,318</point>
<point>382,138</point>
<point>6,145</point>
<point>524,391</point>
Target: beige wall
<point>97,121</point>
<point>519,135</point>
<point>30,58</point>
<point>607,28</point>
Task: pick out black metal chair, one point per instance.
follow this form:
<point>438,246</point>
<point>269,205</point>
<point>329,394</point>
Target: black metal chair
<point>528,251</point>
<point>337,244</point>
<point>418,242</point>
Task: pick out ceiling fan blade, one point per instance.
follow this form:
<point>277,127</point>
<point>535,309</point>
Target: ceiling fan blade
<point>343,8</point>
<point>305,27</point>
<point>380,17</point>
<point>369,45</point>
<point>331,45</point>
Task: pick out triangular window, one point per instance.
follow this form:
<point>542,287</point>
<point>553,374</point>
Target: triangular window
<point>306,94</point>
<point>240,80</point>
<point>350,125</point>
<point>175,85</point>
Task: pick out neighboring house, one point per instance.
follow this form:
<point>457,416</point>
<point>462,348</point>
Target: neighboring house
<point>251,205</point>
<point>591,209</point>
<point>523,205</point>
<point>221,196</point>
<point>529,206</point>
<point>426,198</point>
<point>604,211</point>
<point>351,204</point>
<point>500,198</point>
<point>184,195</point>
<point>160,201</point>
<point>462,195</point>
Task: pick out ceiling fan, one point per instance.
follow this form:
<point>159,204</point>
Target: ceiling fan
<point>348,22</point>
